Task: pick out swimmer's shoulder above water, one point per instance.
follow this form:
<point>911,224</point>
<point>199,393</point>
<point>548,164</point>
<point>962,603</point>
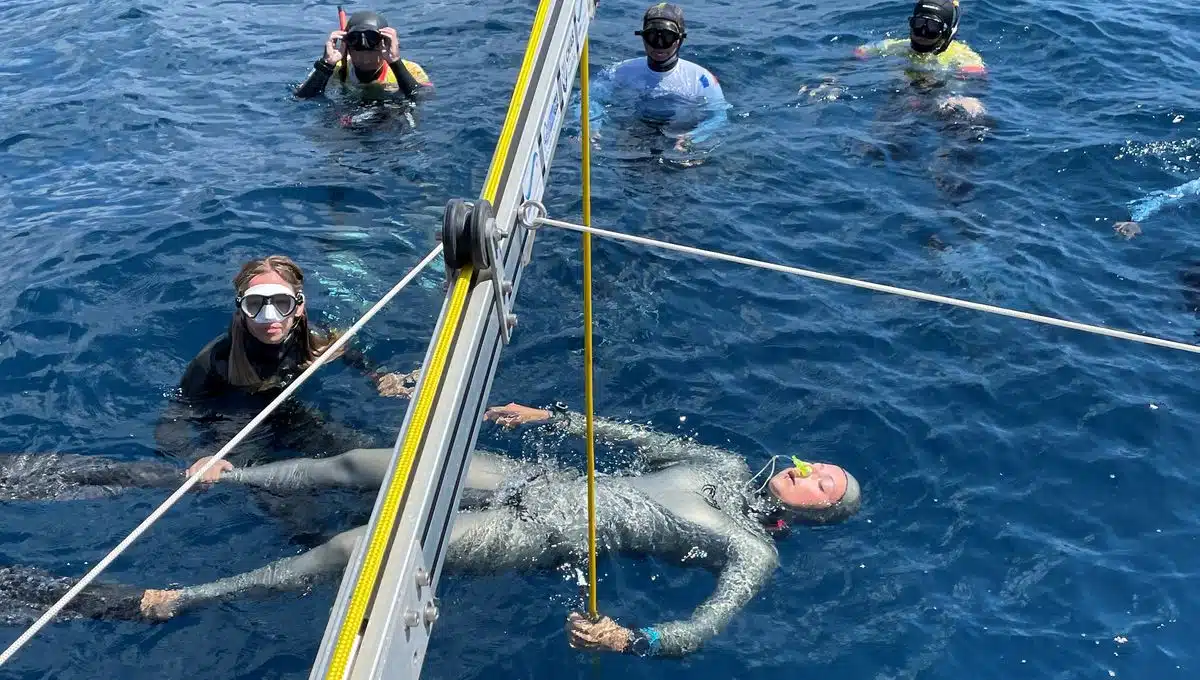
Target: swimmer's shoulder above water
<point>933,29</point>
<point>366,56</point>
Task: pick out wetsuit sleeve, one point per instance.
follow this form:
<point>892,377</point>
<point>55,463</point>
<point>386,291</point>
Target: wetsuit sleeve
<point>968,61</point>
<point>886,48</point>
<point>201,378</point>
<point>408,83</point>
<point>715,108</point>
<point>1144,208</point>
<point>317,79</point>
<point>654,447</point>
<point>358,468</point>
<point>747,570</point>
<point>869,50</point>
<point>290,573</point>
<point>355,358</point>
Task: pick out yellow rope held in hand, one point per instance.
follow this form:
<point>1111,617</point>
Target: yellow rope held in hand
<point>586,140</point>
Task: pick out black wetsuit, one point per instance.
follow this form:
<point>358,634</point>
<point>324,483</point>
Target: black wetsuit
<point>211,410</point>
<point>322,72</point>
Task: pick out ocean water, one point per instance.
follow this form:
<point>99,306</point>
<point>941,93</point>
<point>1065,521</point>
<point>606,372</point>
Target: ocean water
<point>1029,493</point>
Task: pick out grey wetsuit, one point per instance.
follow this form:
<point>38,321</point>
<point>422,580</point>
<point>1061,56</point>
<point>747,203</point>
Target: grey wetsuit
<point>687,502</point>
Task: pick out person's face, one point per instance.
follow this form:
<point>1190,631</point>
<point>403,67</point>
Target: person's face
<point>274,315</point>
<point>366,49</point>
<point>820,488</point>
<point>660,42</point>
<point>925,32</point>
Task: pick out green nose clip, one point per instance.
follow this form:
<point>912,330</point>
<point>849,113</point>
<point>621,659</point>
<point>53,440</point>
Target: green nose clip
<point>804,468</point>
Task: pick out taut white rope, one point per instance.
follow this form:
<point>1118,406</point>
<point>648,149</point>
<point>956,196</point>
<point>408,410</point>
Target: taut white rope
<point>532,214</point>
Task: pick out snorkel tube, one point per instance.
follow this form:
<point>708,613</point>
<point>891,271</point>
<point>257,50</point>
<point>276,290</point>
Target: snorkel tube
<point>341,18</point>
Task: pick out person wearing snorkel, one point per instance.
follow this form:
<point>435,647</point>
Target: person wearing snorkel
<point>687,502</point>
<point>365,56</point>
<point>933,51</point>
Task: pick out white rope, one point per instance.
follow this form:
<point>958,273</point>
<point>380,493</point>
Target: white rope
<point>191,481</point>
<point>929,297</point>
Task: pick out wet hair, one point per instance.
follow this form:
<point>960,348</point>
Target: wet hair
<point>241,371</point>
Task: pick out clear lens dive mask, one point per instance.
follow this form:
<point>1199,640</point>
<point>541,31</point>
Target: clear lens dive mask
<point>268,303</point>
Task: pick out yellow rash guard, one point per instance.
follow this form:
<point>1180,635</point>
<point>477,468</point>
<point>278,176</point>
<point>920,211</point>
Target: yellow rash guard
<point>386,80</point>
<point>957,57</point>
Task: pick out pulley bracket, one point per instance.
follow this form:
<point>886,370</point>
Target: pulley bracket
<point>470,236</point>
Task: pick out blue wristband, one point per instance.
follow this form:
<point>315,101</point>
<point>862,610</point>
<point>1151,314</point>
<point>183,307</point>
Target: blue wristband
<point>645,642</point>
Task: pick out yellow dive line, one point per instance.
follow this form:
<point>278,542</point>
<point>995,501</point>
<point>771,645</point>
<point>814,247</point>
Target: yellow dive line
<point>589,403</point>
<point>364,588</point>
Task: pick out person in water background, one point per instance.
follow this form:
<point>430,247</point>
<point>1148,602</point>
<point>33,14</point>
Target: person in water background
<point>682,99</point>
<point>934,52</point>
<point>365,57</point>
<point>269,342</point>
<point>682,501</point>
<point>1149,205</point>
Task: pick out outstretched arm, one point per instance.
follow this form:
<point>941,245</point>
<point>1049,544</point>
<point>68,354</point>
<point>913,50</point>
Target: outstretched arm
<point>886,47</point>
<point>389,384</point>
<point>654,447</point>
<point>358,468</point>
<point>185,429</point>
<point>1143,208</point>
<point>747,570</point>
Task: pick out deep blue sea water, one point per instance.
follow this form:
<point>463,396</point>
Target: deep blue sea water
<point>1029,492</point>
